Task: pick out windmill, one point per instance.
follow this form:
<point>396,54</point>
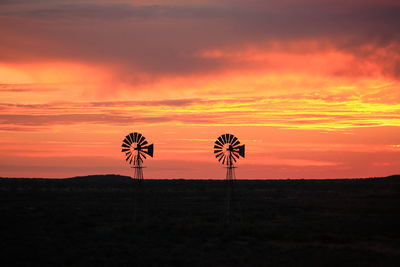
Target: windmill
<point>227,150</point>
<point>136,148</point>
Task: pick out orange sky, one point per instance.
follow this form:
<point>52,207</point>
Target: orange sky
<point>311,87</point>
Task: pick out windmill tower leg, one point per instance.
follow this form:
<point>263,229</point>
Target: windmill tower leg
<point>230,177</point>
<point>138,173</point>
<point>138,190</point>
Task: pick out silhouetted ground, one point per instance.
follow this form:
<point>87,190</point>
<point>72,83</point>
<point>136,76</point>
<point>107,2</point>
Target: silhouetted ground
<point>109,220</point>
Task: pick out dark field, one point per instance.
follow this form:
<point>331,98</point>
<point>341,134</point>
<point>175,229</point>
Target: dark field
<point>113,221</point>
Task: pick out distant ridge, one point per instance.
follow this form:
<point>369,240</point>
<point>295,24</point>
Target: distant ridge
<point>115,178</point>
<point>393,177</point>
<point>105,178</point>
<point>122,178</point>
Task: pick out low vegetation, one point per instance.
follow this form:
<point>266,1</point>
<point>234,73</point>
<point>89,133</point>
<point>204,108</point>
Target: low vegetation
<point>111,220</point>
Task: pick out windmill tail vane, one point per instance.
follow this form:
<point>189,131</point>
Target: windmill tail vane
<point>136,148</point>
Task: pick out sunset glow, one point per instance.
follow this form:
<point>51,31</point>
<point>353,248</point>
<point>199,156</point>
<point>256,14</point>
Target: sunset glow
<point>311,87</point>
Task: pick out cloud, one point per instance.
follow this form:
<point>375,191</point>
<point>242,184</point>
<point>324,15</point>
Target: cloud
<point>184,102</point>
<point>23,88</point>
<point>299,113</point>
<point>159,40</point>
<point>168,102</point>
<point>65,119</point>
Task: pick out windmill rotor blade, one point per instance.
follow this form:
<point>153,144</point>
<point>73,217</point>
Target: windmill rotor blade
<point>144,143</point>
<point>230,137</point>
<point>125,149</point>
<point>227,137</point>
<point>126,141</point>
<point>132,135</point>
<point>236,143</point>
<point>217,151</point>
<point>218,143</point>
<point>234,140</point>
<point>128,156</point>
<point>142,138</point>
<point>232,157</point>
<point>217,147</point>
<point>130,162</point>
<point>224,158</point>
<point>150,150</point>
<point>125,145</point>
<point>139,138</point>
<point>142,153</point>
<point>235,154</point>
<point>223,138</point>
<point>219,155</point>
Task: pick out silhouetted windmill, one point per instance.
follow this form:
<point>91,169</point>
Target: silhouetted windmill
<point>227,150</point>
<point>136,148</point>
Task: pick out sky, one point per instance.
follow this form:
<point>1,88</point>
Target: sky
<point>311,87</point>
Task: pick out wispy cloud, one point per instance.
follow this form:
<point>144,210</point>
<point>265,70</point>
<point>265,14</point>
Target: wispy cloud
<point>303,113</point>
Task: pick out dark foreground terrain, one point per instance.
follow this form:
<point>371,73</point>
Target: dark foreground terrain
<point>111,221</point>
